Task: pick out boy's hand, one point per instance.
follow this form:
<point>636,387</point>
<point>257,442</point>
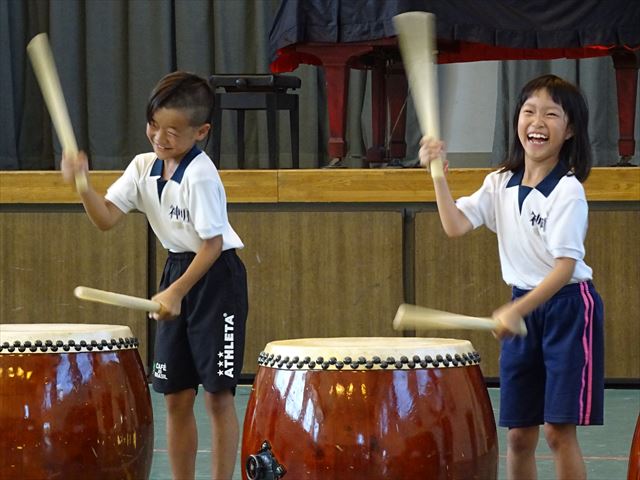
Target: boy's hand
<point>171,305</point>
<point>74,166</point>
<point>431,149</point>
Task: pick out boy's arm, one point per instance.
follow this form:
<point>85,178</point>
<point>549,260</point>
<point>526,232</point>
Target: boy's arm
<point>559,276</point>
<point>171,298</point>
<point>454,222</point>
<point>102,212</point>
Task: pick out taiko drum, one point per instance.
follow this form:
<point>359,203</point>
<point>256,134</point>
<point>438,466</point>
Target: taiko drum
<point>634,455</point>
<point>369,408</point>
<point>74,403</point>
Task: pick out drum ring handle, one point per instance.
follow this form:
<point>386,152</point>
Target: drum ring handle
<point>263,465</point>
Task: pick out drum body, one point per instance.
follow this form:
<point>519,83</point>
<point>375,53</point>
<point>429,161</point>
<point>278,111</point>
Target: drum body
<point>634,455</point>
<point>370,408</point>
<point>74,403</point>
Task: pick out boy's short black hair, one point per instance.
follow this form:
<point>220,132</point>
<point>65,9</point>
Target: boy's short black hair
<point>183,91</point>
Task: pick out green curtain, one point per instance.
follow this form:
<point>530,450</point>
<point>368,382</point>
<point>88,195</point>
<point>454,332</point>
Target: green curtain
<point>110,54</point>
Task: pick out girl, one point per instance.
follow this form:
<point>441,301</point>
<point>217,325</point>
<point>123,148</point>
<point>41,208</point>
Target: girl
<point>536,205</point>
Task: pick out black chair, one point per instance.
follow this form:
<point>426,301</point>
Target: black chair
<point>256,92</point>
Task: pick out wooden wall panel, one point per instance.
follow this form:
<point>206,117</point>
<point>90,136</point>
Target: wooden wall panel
<point>318,274</point>
<point>613,251</point>
<point>460,275</point>
<point>45,255</point>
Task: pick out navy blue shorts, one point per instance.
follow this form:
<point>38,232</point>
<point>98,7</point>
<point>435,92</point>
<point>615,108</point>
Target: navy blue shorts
<point>556,373</point>
<point>205,344</point>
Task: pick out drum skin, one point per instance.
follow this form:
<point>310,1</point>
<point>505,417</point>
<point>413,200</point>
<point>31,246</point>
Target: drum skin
<point>75,415</point>
<point>434,423</point>
<point>634,454</point>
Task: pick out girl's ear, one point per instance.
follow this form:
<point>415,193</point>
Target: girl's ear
<point>202,132</point>
<point>569,133</point>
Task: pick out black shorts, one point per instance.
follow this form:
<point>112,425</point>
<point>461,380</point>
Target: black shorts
<point>205,344</point>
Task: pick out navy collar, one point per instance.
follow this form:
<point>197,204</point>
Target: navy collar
<point>156,170</point>
<point>545,187</point>
<point>549,182</point>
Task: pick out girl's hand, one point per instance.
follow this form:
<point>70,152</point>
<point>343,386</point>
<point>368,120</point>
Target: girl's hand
<point>171,305</point>
<point>432,149</point>
<point>509,321</point>
<point>70,166</point>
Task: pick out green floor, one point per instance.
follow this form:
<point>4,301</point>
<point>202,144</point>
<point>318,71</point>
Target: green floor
<point>606,448</point>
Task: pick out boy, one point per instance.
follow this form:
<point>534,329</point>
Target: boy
<point>203,290</point>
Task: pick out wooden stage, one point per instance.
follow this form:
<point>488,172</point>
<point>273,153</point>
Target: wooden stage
<point>328,253</point>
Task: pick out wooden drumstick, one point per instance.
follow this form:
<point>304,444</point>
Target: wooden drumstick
<point>44,67</point>
<point>117,299</point>
<point>412,317</point>
<point>416,37</point>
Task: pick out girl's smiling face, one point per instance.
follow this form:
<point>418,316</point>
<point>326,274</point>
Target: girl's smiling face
<point>543,127</point>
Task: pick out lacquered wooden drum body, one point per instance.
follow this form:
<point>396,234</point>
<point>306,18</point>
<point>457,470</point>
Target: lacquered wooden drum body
<point>369,408</point>
<point>634,455</point>
<point>74,403</point>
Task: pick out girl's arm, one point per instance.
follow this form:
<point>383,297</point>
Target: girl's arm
<point>171,298</point>
<point>454,222</point>
<point>510,313</point>
<point>102,212</point>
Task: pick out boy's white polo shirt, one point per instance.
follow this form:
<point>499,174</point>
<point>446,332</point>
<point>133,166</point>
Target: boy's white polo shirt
<point>533,226</point>
<point>183,211</point>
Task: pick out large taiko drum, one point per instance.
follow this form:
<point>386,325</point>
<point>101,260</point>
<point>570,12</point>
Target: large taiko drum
<point>634,455</point>
<point>369,408</point>
<point>74,403</point>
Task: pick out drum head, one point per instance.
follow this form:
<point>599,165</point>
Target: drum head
<point>368,352</point>
<point>69,337</point>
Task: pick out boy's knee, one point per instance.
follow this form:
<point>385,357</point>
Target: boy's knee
<point>219,401</point>
<point>180,403</point>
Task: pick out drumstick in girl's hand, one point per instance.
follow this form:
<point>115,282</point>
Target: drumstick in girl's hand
<point>417,40</point>
<point>412,317</point>
<point>117,299</point>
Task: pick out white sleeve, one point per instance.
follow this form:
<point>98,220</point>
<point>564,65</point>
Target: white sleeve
<point>123,193</point>
<point>567,228</point>
<point>208,205</point>
<point>479,207</point>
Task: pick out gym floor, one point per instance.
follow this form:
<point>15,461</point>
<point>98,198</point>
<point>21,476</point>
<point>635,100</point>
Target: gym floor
<point>605,448</point>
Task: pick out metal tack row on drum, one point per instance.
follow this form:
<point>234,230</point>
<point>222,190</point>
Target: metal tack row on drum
<point>369,408</point>
<point>74,402</point>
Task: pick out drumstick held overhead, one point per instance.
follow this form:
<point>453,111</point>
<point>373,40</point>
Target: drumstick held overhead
<point>44,67</point>
<point>416,37</point>
<point>117,299</point>
<point>412,317</point>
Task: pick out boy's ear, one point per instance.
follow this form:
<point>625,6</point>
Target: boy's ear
<point>202,132</point>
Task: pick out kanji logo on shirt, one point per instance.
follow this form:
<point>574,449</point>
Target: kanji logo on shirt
<point>537,220</point>
<point>177,213</point>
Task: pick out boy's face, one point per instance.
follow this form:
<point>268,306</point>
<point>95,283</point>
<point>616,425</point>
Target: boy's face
<point>171,135</point>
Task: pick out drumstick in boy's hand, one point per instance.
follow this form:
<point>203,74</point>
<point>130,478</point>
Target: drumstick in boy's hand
<point>412,317</point>
<point>44,67</point>
<point>118,299</point>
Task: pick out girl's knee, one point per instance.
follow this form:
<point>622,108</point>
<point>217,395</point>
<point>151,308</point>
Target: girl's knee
<point>559,435</point>
<point>522,440</point>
